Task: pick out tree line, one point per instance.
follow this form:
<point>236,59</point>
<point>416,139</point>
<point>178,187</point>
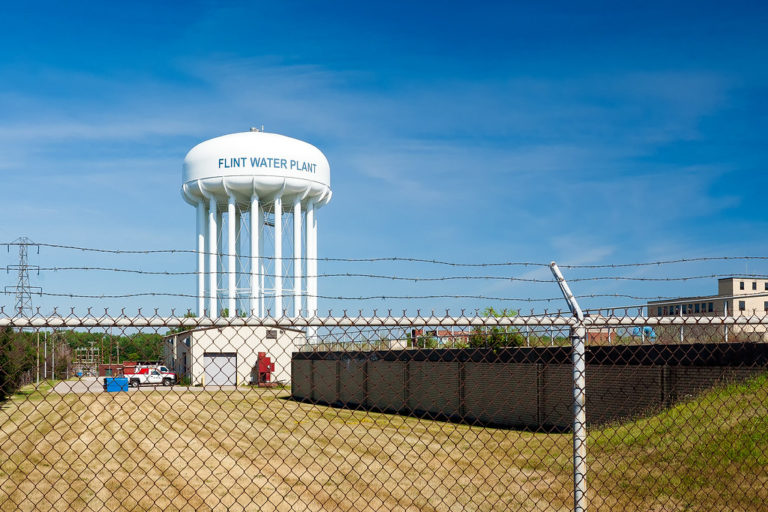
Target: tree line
<point>492,336</point>
<point>17,358</point>
<point>21,352</point>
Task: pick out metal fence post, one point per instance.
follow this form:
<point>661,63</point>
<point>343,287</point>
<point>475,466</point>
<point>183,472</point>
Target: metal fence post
<point>578,358</point>
<point>578,334</point>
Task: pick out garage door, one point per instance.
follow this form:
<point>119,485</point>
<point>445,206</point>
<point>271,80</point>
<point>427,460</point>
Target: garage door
<point>220,368</point>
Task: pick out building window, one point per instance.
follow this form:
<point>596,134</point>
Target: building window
<point>665,311</point>
<point>754,285</point>
<point>742,305</point>
<point>658,310</point>
<point>766,286</point>
<point>765,305</point>
<point>711,307</point>
<point>741,285</point>
<point>697,308</point>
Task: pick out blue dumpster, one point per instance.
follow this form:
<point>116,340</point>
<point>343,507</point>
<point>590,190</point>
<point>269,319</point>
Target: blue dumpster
<point>113,384</point>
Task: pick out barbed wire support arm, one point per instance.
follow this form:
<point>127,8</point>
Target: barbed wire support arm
<point>578,335</point>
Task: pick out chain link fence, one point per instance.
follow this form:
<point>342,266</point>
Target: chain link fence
<point>384,413</point>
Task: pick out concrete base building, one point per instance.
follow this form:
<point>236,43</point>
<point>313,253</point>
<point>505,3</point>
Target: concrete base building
<point>229,356</point>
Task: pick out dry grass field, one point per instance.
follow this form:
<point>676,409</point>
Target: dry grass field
<point>252,449</point>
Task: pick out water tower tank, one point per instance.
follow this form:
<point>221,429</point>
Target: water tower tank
<point>258,177</point>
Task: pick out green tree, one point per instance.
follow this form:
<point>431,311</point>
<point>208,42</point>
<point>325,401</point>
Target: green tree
<point>174,330</point>
<point>426,341</point>
<point>137,347</point>
<point>7,368</point>
<point>419,339</point>
<point>494,336</point>
<point>16,357</point>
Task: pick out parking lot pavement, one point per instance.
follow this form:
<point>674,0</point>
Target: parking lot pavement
<point>96,385</point>
<point>82,385</point>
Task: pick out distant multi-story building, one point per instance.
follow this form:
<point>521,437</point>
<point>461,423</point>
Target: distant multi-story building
<point>736,296</point>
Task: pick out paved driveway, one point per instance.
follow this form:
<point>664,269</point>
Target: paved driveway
<point>82,385</point>
<point>96,385</point>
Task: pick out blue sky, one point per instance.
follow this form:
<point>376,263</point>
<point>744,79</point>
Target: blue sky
<point>586,134</point>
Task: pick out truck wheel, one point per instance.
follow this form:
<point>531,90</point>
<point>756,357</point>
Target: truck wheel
<point>135,383</point>
<point>167,382</point>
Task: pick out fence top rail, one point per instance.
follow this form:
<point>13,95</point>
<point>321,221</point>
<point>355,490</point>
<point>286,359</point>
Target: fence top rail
<point>285,322</point>
<point>73,321</point>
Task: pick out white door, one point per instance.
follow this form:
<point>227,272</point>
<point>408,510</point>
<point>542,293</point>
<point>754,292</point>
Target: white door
<point>220,368</point>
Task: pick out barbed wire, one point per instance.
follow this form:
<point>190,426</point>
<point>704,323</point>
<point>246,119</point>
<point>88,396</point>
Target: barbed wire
<point>404,278</point>
<point>267,257</point>
<point>402,259</point>
<point>415,279</point>
<point>341,297</point>
<point>672,300</point>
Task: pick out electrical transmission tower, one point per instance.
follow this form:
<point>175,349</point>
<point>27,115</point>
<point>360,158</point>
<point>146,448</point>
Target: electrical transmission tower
<point>23,290</point>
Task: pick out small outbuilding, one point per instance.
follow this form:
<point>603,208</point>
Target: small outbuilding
<point>229,356</point>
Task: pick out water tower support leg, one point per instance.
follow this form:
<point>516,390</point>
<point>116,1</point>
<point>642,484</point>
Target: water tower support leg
<point>219,260</point>
<point>212,259</point>
<point>255,255</point>
<point>278,257</point>
<point>238,261</point>
<point>231,237</point>
<point>262,265</point>
<point>297,257</point>
<point>311,269</point>
<point>201,213</point>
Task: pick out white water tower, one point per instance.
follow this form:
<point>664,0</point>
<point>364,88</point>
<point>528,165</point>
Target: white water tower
<point>258,185</point>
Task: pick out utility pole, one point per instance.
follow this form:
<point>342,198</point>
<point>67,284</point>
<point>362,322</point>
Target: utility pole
<point>37,360</point>
<point>45,356</point>
<point>23,291</point>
